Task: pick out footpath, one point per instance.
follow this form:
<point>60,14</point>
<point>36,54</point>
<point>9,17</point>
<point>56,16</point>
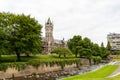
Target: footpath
<point>117,71</point>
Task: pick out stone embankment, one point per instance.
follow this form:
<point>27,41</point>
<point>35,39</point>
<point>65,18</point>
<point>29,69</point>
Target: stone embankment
<point>56,75</point>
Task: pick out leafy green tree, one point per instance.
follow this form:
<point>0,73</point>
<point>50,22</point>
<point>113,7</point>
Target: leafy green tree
<point>61,51</point>
<point>108,46</point>
<point>74,44</point>
<point>95,50</point>
<point>87,43</point>
<point>24,33</point>
<point>86,53</point>
<point>96,53</point>
<point>117,52</point>
<point>87,49</point>
<point>4,42</point>
<point>96,59</point>
<point>104,51</point>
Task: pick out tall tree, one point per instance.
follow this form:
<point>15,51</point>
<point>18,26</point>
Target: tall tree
<point>24,33</point>
<point>95,50</point>
<point>104,51</point>
<point>87,43</point>
<point>74,44</point>
<point>4,42</point>
<point>86,53</point>
<point>4,47</point>
<point>108,46</point>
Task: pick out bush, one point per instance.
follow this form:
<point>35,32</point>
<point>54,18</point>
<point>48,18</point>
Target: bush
<point>96,59</point>
<point>62,51</point>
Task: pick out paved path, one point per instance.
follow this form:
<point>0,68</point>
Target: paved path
<point>116,72</point>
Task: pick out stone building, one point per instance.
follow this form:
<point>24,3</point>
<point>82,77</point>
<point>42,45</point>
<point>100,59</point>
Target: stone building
<point>114,40</point>
<point>49,43</point>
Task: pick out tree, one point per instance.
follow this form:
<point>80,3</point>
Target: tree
<point>117,52</point>
<point>95,50</point>
<point>61,51</point>
<point>75,44</point>
<point>96,59</point>
<point>87,43</point>
<point>86,53</point>
<point>23,33</point>
<point>108,46</point>
<point>4,48</point>
<point>104,51</point>
<point>4,42</point>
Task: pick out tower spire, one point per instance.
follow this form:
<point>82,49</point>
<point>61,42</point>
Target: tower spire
<point>49,21</point>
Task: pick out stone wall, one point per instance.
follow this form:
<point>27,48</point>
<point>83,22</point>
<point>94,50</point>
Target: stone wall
<point>114,56</point>
<point>86,61</point>
<point>42,70</point>
<point>30,70</point>
<point>57,75</point>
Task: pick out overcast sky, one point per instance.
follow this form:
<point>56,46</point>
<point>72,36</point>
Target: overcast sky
<point>89,18</point>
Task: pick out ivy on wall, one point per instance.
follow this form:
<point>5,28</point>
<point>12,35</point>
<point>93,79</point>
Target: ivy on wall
<point>36,63</point>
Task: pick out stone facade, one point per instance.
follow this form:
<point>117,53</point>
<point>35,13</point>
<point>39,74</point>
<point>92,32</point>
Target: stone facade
<point>114,40</point>
<point>49,43</point>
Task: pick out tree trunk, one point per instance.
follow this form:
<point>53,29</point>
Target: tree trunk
<point>13,77</point>
<point>59,55</point>
<point>0,57</point>
<point>27,55</point>
<point>64,55</point>
<point>76,55</point>
<point>79,55</point>
<point>18,56</point>
<point>94,62</point>
<point>90,62</point>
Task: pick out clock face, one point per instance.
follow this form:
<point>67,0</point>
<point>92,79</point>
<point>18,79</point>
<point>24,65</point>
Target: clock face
<point>49,29</point>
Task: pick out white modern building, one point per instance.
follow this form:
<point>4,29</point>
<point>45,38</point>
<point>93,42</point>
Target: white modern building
<point>114,39</point>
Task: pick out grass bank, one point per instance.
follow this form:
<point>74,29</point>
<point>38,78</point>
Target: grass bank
<point>95,75</point>
<point>7,61</point>
<point>13,58</point>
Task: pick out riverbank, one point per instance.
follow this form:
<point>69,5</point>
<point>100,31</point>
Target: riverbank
<point>59,74</point>
<point>85,69</point>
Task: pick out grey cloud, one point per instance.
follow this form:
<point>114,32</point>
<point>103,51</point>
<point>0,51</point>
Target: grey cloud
<point>91,18</point>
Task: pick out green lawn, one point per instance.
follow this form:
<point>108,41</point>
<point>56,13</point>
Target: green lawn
<point>116,59</point>
<point>116,77</point>
<point>95,75</point>
<point>113,78</point>
<point>13,58</point>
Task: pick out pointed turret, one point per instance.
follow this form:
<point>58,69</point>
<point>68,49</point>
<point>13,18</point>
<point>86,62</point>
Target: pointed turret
<point>63,38</point>
<point>49,21</point>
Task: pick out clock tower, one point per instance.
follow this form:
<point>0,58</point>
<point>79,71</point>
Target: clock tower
<point>49,36</point>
